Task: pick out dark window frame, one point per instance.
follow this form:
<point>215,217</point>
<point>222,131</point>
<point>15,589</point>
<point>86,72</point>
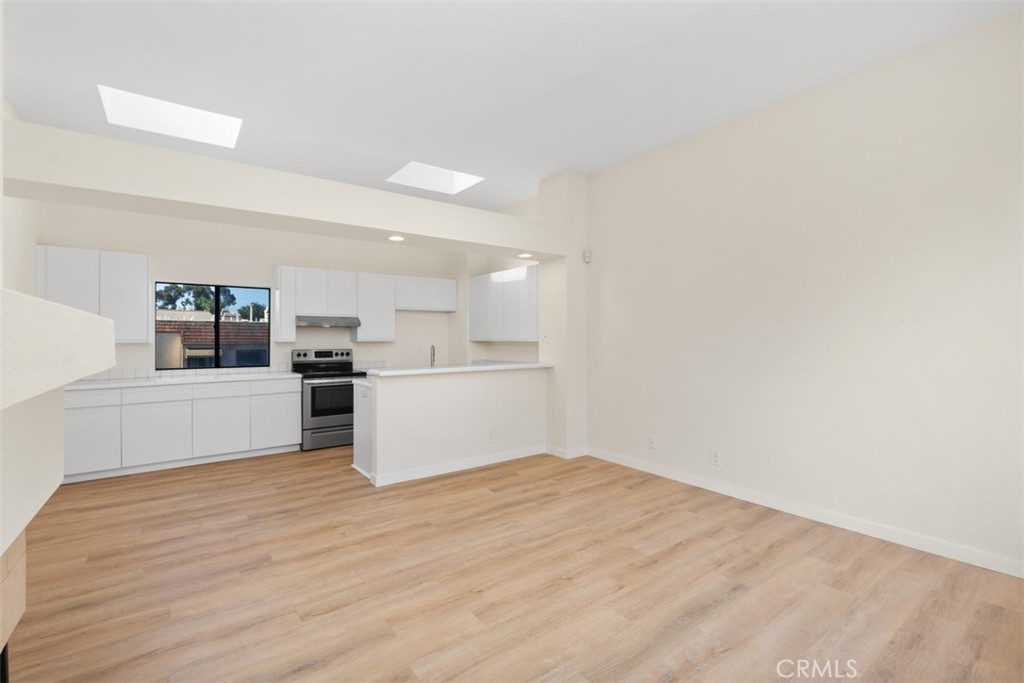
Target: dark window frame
<point>216,324</point>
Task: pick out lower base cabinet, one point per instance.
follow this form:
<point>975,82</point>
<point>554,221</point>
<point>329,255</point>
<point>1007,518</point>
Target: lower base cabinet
<point>155,432</point>
<point>362,444</point>
<point>92,439</point>
<point>111,429</point>
<point>220,418</point>
<point>276,420</point>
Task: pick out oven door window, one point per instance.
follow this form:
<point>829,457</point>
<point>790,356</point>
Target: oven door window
<point>330,399</point>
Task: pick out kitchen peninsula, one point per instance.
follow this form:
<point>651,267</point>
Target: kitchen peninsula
<point>413,423</point>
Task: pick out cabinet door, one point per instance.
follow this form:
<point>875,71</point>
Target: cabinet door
<point>376,308</point>
<point>529,322</point>
<point>362,428</point>
<point>479,305</point>
<point>310,291</point>
<point>425,294</point>
<point>276,420</point>
<point>156,432</point>
<point>495,314</point>
<point>519,297</point>
<point>342,287</point>
<point>220,425</point>
<point>92,439</point>
<point>445,295</point>
<point>283,306</point>
<point>126,295</point>
<point>73,277</point>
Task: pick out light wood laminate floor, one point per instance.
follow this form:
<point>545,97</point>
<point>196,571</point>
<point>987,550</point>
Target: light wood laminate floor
<point>294,568</point>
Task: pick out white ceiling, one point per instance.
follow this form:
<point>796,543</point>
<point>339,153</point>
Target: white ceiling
<point>513,92</point>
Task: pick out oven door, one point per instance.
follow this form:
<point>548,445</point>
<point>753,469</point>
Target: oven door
<point>326,402</point>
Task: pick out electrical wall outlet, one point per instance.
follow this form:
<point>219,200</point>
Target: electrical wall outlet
<point>652,442</point>
<point>716,458</point>
<point>492,436</point>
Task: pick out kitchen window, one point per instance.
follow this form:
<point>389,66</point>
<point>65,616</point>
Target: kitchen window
<point>211,326</point>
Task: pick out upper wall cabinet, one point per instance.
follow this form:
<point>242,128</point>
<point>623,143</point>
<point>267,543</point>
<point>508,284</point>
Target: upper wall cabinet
<point>126,294</point>
<point>372,297</point>
<point>325,292</point>
<point>113,284</point>
<point>503,305</point>
<point>376,308</point>
<point>282,307</point>
<point>426,294</point>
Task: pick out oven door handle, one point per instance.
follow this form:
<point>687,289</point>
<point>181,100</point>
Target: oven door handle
<point>327,381</point>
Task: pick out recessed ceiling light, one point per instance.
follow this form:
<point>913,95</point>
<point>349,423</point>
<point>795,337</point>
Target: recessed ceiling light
<point>396,238</point>
<point>433,178</point>
<point>167,118</point>
<point>525,256</point>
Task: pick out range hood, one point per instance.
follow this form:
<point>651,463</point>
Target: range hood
<point>326,321</point>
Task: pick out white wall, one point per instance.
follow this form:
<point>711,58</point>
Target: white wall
<point>828,292</point>
<point>32,441</point>
<point>19,240</point>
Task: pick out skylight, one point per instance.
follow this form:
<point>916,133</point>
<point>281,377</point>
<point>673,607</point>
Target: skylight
<point>167,118</point>
<point>433,178</point>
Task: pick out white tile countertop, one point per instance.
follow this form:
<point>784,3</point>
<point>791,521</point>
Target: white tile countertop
<point>488,366</point>
<point>167,380</point>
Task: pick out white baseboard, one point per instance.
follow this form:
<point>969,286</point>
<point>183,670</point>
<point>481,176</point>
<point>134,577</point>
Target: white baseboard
<point>385,478</point>
<point>360,470</point>
<point>929,544</point>
<point>154,467</point>
<point>566,454</point>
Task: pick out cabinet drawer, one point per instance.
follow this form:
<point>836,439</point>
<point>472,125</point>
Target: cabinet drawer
<point>92,398</point>
<point>276,386</point>
<point>178,392</point>
<point>220,389</point>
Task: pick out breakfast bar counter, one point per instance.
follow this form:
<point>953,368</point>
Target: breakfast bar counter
<point>412,423</point>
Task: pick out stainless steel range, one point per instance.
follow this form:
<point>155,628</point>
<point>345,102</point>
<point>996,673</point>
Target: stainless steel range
<point>327,376</point>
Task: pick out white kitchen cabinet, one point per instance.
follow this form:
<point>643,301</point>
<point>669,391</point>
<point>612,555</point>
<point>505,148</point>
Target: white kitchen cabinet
<point>426,294</point>
<point>113,284</point>
<point>479,306</point>
<point>310,291</point>
<point>283,309</point>
<point>156,432</point>
<point>325,292</point>
<point>362,430</point>
<point>125,294</point>
<point>114,428</point>
<point>495,315</point>
<point>376,309</point>
<point>276,417</point>
<point>220,418</point>
<point>520,307</point>
<point>342,292</point>
<point>72,277</point>
<point>92,431</point>
<point>503,306</point>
